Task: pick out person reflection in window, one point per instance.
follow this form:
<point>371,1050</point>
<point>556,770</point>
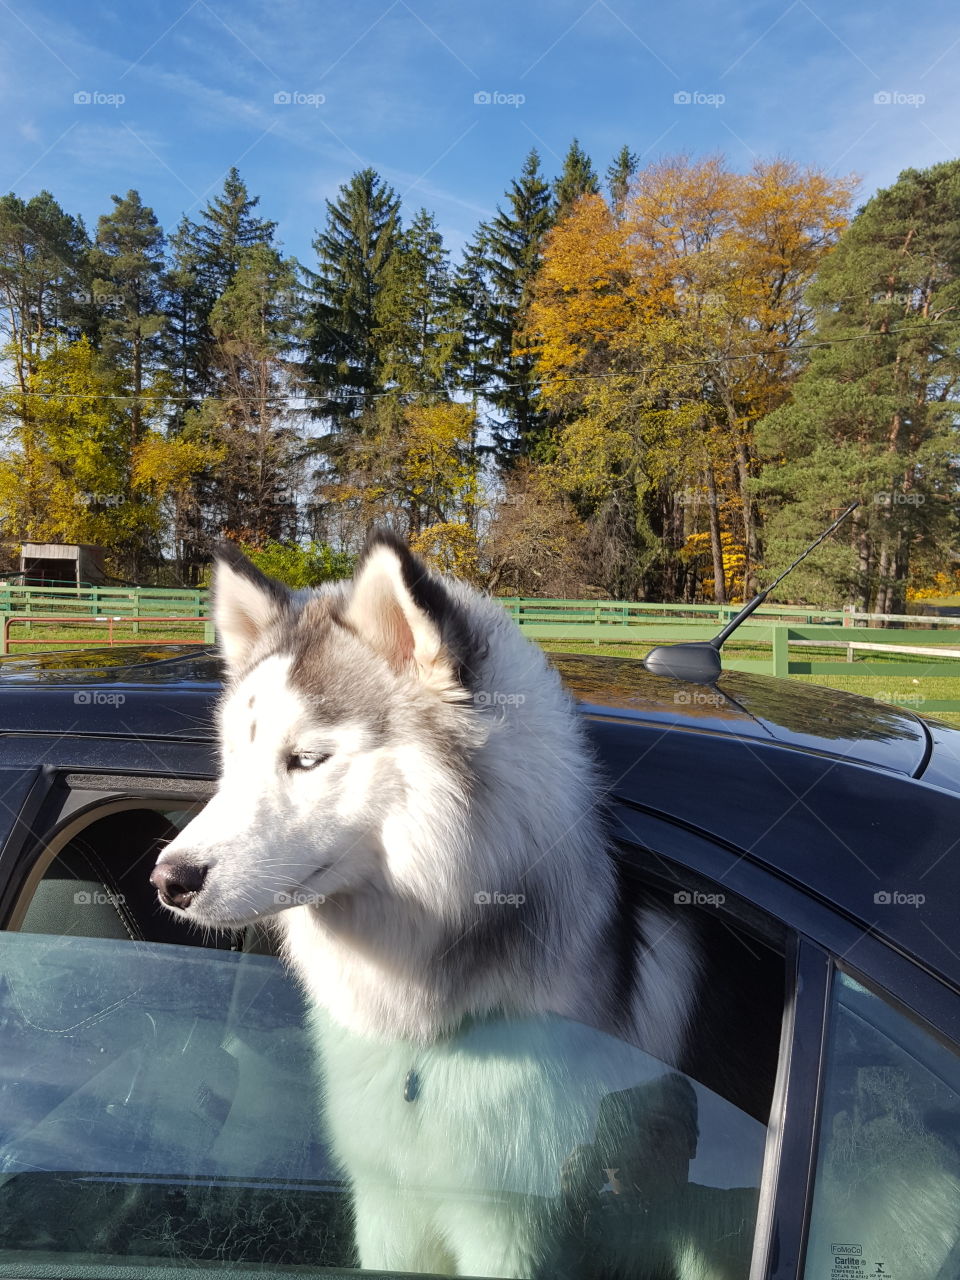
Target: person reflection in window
<point>644,1219</point>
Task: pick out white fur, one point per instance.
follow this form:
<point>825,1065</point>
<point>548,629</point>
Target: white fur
<point>394,836</point>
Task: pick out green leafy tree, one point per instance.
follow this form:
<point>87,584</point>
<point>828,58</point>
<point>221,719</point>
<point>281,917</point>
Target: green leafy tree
<point>472,303</point>
<point>68,474</point>
<point>874,416</point>
<point>301,566</point>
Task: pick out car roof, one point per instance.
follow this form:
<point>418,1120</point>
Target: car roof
<point>802,716</point>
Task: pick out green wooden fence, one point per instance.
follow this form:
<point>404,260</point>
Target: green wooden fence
<point>604,621</point>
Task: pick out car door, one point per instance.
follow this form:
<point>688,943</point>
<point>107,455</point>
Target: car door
<point>158,1087</point>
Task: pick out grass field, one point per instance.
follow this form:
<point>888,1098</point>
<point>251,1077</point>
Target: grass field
<point>907,691</point>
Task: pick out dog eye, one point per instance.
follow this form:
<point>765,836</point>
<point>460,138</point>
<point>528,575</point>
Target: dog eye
<point>300,761</point>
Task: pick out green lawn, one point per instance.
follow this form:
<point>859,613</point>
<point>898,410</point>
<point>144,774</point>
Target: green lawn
<point>907,691</point>
<point>38,637</point>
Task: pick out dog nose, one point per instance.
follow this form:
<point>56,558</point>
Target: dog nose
<point>178,882</point>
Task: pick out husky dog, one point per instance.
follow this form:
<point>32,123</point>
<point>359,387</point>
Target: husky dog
<point>407,790</point>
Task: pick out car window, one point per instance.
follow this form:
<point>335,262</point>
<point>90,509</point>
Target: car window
<point>160,1103</point>
<point>887,1192</point>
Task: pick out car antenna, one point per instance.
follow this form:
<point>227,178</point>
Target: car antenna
<point>699,661</point>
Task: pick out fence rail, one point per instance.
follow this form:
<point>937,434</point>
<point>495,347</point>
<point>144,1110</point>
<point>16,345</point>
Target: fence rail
<point>591,621</point>
<point>96,600</point>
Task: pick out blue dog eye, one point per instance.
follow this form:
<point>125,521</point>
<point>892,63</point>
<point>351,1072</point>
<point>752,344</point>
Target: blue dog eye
<point>303,760</point>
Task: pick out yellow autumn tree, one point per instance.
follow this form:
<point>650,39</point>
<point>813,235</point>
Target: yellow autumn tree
<point>662,335</point>
<point>69,468</point>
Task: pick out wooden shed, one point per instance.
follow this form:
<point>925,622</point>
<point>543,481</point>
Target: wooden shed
<point>52,564</point>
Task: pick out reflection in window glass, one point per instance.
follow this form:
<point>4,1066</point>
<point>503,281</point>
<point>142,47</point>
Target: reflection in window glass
<point>887,1193</point>
<point>158,1103</point>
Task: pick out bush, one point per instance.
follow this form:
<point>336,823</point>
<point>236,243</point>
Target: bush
<point>298,566</point>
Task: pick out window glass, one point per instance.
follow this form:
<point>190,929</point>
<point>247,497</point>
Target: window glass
<point>160,1103</point>
<point>887,1193</point>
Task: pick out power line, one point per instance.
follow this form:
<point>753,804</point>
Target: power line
<point>298,398</point>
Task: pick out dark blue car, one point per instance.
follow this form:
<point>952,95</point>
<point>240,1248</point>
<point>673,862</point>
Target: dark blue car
<point>157,1099</point>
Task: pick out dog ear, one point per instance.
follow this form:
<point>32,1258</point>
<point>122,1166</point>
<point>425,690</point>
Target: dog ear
<point>404,612</point>
<point>245,603</point>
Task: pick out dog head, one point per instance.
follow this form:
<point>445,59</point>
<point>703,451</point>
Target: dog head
<point>347,720</point>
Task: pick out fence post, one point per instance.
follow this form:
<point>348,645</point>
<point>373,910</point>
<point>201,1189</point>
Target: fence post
<point>208,636</point>
<point>780,644</point>
<point>4,628</point>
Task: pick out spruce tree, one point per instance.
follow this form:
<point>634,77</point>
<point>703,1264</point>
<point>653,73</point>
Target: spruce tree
<point>353,251</point>
<point>205,257</point>
<point>578,178</point>
<point>513,243</point>
<point>874,415</point>
<point>472,303</point>
<point>415,332</point>
<point>619,176</point>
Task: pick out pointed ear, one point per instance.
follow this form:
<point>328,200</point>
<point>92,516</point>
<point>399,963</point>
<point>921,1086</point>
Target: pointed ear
<point>245,603</point>
<point>404,612</point>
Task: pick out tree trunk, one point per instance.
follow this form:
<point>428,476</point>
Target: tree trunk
<point>716,544</point>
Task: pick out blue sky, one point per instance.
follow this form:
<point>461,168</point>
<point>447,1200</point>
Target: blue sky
<point>198,81</point>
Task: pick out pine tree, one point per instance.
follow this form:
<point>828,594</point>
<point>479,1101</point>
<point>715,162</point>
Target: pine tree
<point>128,263</point>
<point>619,176</point>
<point>415,333</point>
<point>577,179</point>
<point>513,243</point>
<point>43,283</point>
<point>874,416</point>
<point>353,251</point>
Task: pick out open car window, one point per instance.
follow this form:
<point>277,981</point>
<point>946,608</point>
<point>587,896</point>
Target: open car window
<point>160,1105</point>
